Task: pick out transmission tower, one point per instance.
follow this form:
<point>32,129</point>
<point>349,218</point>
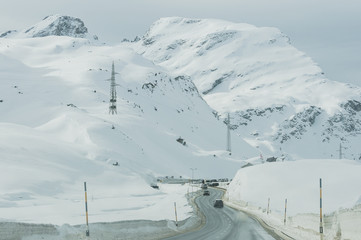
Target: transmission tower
<point>340,151</point>
<point>113,93</point>
<point>228,135</point>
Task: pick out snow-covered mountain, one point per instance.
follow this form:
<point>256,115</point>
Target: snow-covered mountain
<point>279,99</point>
<point>57,131</point>
<point>175,86</point>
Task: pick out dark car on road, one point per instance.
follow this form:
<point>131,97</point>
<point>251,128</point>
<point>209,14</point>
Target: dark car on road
<point>214,184</point>
<point>218,203</point>
<point>206,193</point>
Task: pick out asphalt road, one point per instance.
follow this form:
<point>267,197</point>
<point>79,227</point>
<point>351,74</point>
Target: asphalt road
<point>224,223</point>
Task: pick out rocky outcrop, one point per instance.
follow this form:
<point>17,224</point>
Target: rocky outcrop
<point>60,26</point>
<point>298,124</point>
<point>53,25</point>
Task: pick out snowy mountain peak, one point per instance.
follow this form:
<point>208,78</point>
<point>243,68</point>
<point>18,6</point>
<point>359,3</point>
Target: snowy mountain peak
<point>59,26</point>
<point>276,93</point>
<point>53,25</point>
<point>208,32</point>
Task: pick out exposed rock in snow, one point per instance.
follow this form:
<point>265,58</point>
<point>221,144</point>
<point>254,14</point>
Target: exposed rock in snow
<point>53,25</point>
<point>7,33</point>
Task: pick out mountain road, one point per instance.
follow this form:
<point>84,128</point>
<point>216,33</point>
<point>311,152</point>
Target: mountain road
<point>224,223</point>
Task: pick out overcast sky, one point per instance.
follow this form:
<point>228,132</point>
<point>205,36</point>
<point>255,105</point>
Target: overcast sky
<point>329,31</point>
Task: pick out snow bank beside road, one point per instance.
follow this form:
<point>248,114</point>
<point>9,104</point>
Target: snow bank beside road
<point>298,181</point>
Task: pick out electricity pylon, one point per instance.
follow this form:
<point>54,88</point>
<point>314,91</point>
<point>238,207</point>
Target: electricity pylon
<point>228,134</point>
<point>113,93</point>
<point>340,151</point>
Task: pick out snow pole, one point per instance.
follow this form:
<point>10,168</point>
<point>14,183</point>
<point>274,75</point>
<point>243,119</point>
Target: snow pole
<point>284,220</point>
<point>86,211</point>
<point>321,227</point>
<point>268,206</point>
<point>175,210</point>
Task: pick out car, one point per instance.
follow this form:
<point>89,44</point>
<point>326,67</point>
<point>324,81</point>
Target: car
<point>218,203</point>
<point>204,186</point>
<point>206,193</point>
<point>214,184</point>
<point>155,186</point>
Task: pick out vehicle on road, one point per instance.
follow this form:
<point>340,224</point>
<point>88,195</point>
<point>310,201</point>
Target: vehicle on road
<point>155,186</point>
<point>214,184</point>
<point>204,186</point>
<point>218,203</point>
<point>206,193</point>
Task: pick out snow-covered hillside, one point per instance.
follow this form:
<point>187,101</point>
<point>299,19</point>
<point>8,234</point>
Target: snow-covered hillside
<point>279,99</point>
<point>177,82</point>
<point>57,131</point>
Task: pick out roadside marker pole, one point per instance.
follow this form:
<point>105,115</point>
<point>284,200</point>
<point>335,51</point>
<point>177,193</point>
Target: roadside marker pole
<point>175,210</point>
<point>284,220</point>
<point>268,206</point>
<point>86,211</point>
<point>321,227</point>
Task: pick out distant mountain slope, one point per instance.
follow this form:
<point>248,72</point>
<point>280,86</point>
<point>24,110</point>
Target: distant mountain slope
<point>279,99</point>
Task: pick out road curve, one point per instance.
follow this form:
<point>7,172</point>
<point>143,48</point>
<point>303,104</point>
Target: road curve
<point>224,223</point>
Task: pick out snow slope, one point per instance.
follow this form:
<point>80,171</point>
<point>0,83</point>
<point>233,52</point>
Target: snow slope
<point>279,99</point>
<point>57,132</point>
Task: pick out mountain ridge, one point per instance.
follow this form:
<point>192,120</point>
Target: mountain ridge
<point>240,68</point>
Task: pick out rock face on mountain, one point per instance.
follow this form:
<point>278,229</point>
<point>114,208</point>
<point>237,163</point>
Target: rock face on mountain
<point>60,26</point>
<point>54,25</point>
<point>279,99</point>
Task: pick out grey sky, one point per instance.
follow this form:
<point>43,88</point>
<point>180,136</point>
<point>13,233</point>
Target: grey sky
<point>327,30</point>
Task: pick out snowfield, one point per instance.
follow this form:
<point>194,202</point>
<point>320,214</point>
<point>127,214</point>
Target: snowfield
<point>298,182</point>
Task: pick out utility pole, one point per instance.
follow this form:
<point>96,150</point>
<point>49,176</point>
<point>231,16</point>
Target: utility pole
<point>321,227</point>
<point>193,169</point>
<point>86,211</point>
<point>175,211</point>
<point>113,93</point>
<point>228,134</point>
<point>284,220</point>
<point>340,151</point>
